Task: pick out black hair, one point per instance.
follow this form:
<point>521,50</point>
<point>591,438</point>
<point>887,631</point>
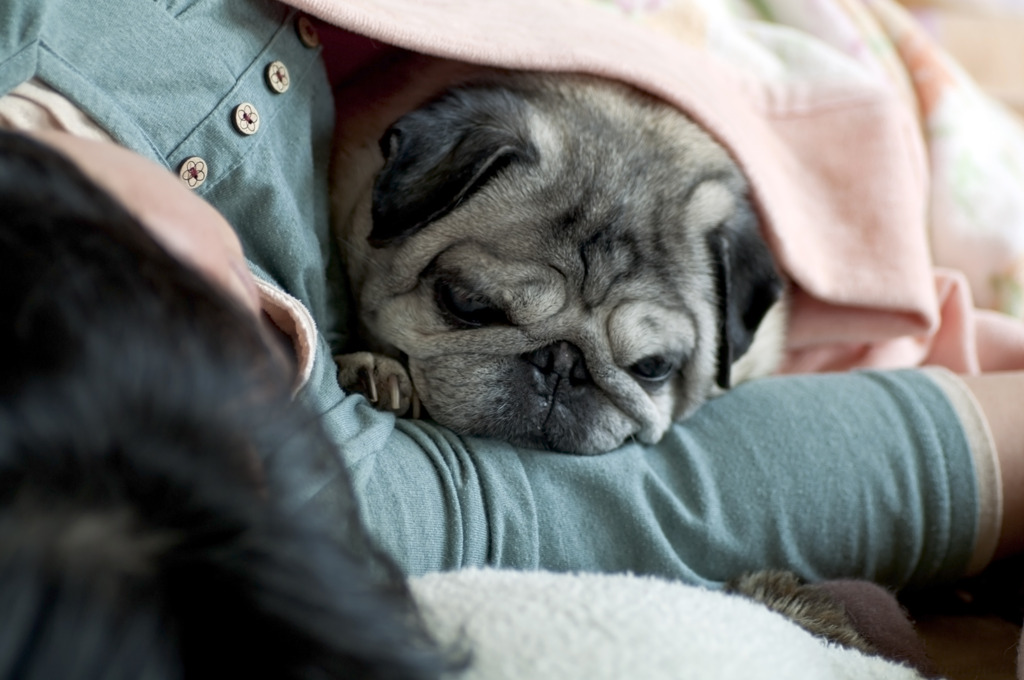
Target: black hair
<point>151,466</point>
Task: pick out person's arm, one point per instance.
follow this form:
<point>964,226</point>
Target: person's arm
<point>854,475</point>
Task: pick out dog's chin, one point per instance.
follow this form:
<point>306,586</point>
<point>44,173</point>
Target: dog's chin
<point>563,430</point>
<point>496,398</point>
<point>571,432</point>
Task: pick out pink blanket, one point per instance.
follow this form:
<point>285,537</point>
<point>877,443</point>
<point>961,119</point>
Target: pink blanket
<point>851,125</point>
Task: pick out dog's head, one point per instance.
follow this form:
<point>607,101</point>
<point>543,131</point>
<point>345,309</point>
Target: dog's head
<point>566,263</point>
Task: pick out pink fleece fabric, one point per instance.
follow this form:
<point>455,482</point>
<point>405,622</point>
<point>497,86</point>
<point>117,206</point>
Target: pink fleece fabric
<point>839,171</point>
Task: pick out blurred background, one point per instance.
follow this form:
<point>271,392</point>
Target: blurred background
<point>986,37</point>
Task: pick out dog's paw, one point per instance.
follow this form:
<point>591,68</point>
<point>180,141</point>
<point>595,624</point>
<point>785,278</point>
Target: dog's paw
<point>382,380</point>
<point>809,606</point>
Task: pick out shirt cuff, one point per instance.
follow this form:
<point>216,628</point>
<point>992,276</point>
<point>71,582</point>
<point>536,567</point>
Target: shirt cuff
<point>293,319</point>
<point>986,464</point>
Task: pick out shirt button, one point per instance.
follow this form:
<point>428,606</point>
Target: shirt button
<point>247,118</point>
<point>278,78</point>
<point>193,172</point>
<point>307,31</point>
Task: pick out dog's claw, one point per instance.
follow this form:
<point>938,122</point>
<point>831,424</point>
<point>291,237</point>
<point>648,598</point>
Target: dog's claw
<point>382,380</point>
<point>396,398</point>
<point>366,378</point>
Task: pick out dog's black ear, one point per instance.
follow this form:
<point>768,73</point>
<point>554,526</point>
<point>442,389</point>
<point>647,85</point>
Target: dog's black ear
<point>437,156</point>
<point>748,285</point>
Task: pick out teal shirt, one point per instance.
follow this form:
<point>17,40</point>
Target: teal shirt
<point>864,474</point>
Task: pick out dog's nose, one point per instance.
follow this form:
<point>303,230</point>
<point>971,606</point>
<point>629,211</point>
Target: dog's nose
<point>563,359</point>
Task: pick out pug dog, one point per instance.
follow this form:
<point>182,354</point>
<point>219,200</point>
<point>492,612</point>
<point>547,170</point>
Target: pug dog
<point>558,261</point>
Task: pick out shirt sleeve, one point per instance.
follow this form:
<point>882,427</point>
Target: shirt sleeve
<point>866,474</point>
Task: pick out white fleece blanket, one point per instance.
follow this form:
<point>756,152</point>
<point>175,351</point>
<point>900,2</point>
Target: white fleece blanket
<point>546,626</point>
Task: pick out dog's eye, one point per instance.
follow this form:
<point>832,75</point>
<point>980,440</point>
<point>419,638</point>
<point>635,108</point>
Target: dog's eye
<point>465,308</point>
<point>652,369</point>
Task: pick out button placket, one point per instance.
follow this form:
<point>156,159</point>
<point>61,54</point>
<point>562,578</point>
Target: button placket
<point>285,61</point>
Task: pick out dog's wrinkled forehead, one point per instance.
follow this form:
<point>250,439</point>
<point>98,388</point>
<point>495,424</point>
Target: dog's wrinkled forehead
<point>599,257</point>
<point>615,203</point>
